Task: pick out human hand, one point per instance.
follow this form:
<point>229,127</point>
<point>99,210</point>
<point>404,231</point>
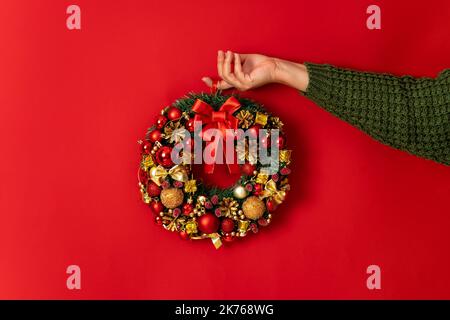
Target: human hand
<point>243,71</point>
<point>249,71</point>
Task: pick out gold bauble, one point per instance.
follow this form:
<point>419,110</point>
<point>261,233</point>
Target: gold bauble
<point>172,197</point>
<point>240,192</point>
<point>253,208</point>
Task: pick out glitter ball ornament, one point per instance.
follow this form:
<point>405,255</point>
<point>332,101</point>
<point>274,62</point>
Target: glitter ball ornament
<point>190,125</point>
<point>172,197</point>
<point>153,189</point>
<point>227,225</point>
<point>253,208</point>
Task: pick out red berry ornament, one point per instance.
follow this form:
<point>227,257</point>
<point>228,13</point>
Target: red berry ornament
<point>227,225</point>
<point>146,147</point>
<point>187,209</point>
<point>190,125</point>
<point>208,223</point>
<point>257,189</point>
<point>158,220</point>
<point>161,121</point>
<point>174,113</point>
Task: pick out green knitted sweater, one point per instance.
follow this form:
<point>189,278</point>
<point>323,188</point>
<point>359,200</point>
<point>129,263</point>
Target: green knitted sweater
<point>410,114</point>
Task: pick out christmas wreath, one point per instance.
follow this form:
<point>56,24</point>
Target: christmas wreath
<point>183,203</point>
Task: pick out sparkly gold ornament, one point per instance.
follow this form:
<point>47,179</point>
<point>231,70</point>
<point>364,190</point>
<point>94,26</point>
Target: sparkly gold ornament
<point>245,119</point>
<point>276,122</point>
<point>145,197</point>
<point>191,227</point>
<point>262,178</point>
<point>253,208</point>
<point>243,225</point>
<point>172,197</point>
<point>171,128</point>
<point>147,162</point>
<point>240,192</point>
<point>190,186</point>
<point>228,207</point>
<point>261,118</point>
<point>285,156</point>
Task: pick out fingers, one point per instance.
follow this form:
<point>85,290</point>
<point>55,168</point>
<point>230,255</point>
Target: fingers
<point>227,75</point>
<point>230,78</point>
<point>222,85</point>
<point>220,61</point>
<point>244,79</point>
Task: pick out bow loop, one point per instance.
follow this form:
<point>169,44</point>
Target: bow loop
<point>271,190</point>
<point>178,172</point>
<point>222,120</point>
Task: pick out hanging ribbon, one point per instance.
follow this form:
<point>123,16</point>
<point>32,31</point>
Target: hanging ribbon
<point>222,120</point>
<point>178,173</point>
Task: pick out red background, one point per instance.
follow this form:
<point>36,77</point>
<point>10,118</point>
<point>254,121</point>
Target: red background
<point>74,103</point>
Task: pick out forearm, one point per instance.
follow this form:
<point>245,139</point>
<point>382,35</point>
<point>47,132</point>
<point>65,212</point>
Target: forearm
<point>403,112</point>
<point>291,74</point>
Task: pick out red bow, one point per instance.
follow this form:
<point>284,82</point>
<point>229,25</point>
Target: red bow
<point>222,119</point>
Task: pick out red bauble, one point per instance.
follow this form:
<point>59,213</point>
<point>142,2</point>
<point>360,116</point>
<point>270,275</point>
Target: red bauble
<point>153,189</point>
<point>184,235</point>
<point>156,207</point>
<point>254,131</point>
<point>271,205</point>
<point>155,135</point>
<point>187,209</point>
<point>280,142</point>
<point>174,113</point>
<point>247,169</point>
<point>208,223</point>
<point>163,156</point>
<point>146,147</point>
<point>190,125</point>
<point>161,121</point>
<point>227,225</point>
<point>257,189</point>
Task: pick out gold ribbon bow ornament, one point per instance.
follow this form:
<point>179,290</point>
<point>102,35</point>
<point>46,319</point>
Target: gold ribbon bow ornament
<point>271,191</point>
<point>178,172</point>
